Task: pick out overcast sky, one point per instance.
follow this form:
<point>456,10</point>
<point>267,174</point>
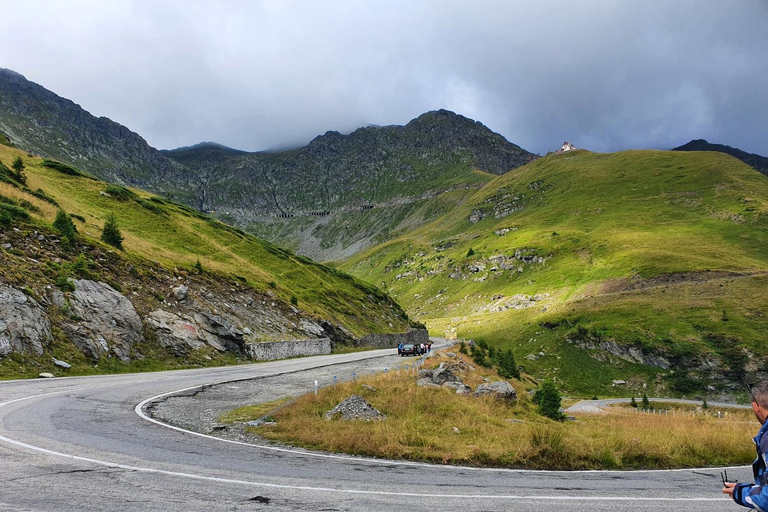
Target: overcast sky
<point>254,75</point>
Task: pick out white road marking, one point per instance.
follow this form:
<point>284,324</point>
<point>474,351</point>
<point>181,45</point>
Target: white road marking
<point>140,469</point>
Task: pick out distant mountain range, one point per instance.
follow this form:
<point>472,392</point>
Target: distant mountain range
<point>758,162</point>
<point>283,196</point>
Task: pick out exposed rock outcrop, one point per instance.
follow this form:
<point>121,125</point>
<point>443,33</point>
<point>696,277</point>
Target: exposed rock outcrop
<point>107,323</point>
<point>24,327</point>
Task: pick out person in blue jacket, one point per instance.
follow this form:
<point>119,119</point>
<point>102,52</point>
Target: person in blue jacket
<point>755,495</point>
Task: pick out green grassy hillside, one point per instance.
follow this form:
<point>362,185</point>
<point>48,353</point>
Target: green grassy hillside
<point>600,263</point>
<point>173,235</point>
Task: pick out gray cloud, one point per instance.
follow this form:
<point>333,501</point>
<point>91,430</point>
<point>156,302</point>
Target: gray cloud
<point>606,75</point>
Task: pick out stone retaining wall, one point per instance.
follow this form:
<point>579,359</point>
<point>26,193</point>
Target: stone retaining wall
<point>393,340</point>
<point>282,349</point>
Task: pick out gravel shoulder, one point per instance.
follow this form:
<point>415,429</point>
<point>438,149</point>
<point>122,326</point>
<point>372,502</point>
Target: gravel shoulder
<point>198,410</point>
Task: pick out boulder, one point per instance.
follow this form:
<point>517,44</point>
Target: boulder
<point>355,408</point>
<point>311,328</point>
<point>425,374</point>
<point>24,326</point>
<point>180,292</point>
<point>45,375</point>
<point>426,382</point>
<point>220,333</point>
<point>61,364</point>
<point>106,321</point>
<point>175,332</point>
<point>460,387</point>
<point>500,389</point>
<point>442,375</point>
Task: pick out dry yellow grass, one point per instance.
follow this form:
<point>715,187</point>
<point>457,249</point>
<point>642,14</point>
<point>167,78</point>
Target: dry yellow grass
<point>420,421</point>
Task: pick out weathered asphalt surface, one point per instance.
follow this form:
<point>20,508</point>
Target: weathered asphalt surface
<point>76,444</point>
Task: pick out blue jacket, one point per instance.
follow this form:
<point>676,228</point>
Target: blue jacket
<point>756,495</point>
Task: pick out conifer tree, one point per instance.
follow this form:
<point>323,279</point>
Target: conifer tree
<point>65,226</point>
<point>548,399</point>
<point>111,232</point>
<point>18,167</point>
<point>646,403</point>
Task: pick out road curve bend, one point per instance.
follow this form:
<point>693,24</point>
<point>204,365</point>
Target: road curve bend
<point>76,444</point>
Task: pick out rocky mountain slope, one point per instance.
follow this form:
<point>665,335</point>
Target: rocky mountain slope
<point>315,199</point>
<point>643,267</point>
<point>760,163</point>
<point>186,289</point>
<point>41,122</point>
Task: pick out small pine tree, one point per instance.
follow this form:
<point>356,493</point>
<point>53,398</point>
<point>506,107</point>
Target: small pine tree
<point>508,365</point>
<point>704,404</point>
<point>65,226</point>
<point>646,403</point>
<point>18,167</point>
<point>633,403</point>
<point>199,267</point>
<point>294,300</point>
<point>111,232</point>
<point>548,399</point>
<point>463,348</point>
<point>470,252</point>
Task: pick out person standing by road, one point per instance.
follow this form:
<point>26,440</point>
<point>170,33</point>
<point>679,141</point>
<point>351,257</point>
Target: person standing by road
<point>755,495</point>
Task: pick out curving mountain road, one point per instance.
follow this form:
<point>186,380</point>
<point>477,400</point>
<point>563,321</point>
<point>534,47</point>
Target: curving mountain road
<point>77,444</point>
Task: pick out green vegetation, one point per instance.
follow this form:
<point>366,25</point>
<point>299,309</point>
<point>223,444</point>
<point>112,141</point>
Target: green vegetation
<point>547,398</point>
<point>66,227</point>
<point>420,423</point>
<point>162,232</point>
<point>111,232</point>
<point>252,412</point>
<point>644,249</point>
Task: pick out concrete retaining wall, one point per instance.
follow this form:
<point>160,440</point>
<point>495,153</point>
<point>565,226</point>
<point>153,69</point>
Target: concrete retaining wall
<point>392,340</point>
<point>282,349</point>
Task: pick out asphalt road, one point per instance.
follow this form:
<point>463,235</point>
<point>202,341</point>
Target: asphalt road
<point>77,444</point>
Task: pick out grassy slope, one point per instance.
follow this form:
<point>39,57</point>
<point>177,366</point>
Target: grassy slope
<point>605,224</point>
<point>174,235</point>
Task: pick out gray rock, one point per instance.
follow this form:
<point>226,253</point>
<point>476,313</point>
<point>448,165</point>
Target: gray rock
<point>24,326</point>
<point>460,387</point>
<point>426,383</point>
<point>355,408</point>
<point>369,388</point>
<point>311,328</point>
<point>180,292</point>
<point>46,375</point>
<point>107,322</point>
<point>450,354</point>
<point>442,375</point>
<point>220,333</point>
<point>61,364</point>
<point>175,332</point>
<point>425,374</point>
<point>456,430</point>
<point>500,389</point>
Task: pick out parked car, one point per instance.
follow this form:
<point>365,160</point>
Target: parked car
<point>411,350</point>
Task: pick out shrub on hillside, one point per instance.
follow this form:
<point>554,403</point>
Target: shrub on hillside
<point>18,168</point>
<point>65,226</point>
<point>548,400</point>
<point>111,232</point>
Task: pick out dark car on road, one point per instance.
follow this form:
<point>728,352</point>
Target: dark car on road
<point>411,350</point>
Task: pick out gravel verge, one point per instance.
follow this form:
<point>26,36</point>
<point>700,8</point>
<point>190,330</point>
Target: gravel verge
<point>199,410</point>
